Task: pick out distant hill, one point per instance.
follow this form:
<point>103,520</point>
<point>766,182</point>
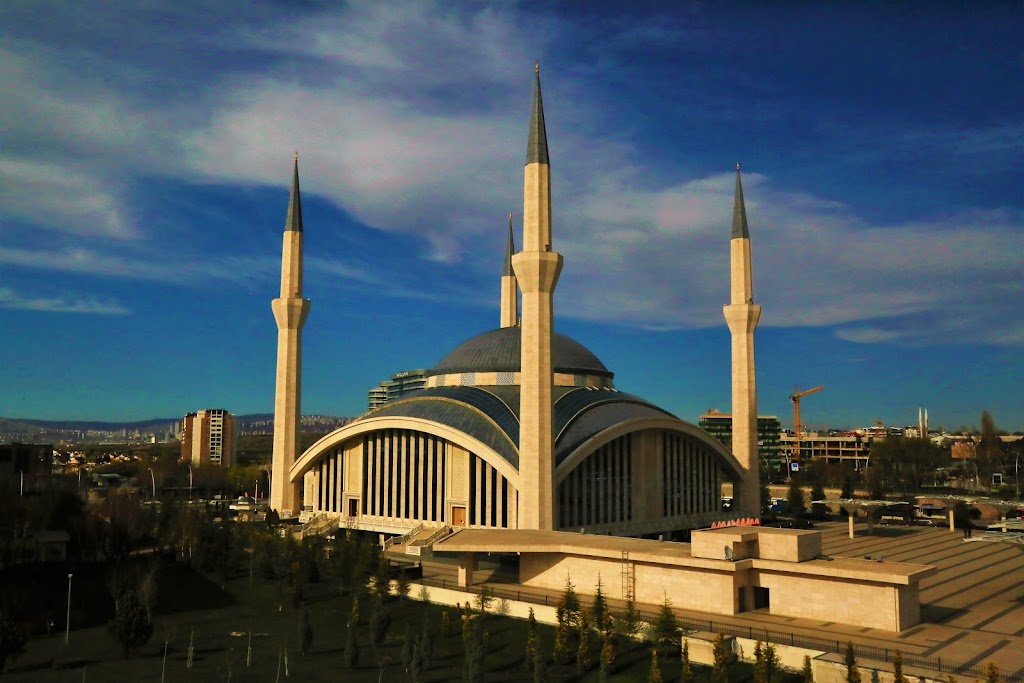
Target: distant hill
<point>81,431</point>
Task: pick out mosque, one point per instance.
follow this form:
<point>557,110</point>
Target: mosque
<point>519,436</point>
<point>518,427</point>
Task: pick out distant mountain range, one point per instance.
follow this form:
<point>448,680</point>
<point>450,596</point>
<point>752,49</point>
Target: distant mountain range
<point>87,430</point>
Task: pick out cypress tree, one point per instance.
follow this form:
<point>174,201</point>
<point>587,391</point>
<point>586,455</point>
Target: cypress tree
<point>720,668</point>
<point>654,673</point>
<point>897,668</point>
<point>807,674</point>
<point>850,662</point>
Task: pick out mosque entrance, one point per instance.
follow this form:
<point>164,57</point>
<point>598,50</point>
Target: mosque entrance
<point>458,515</point>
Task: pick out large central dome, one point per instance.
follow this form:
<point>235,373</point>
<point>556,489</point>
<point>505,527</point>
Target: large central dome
<point>499,351</point>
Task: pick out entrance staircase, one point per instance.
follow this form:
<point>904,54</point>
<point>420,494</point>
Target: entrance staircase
<point>418,539</point>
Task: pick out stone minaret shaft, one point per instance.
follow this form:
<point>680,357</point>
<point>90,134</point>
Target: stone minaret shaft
<point>509,288</point>
<point>536,268</point>
<point>742,315</point>
<point>290,311</point>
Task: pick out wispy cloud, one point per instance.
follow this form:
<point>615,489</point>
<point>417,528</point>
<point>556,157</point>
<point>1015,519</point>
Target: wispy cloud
<point>411,118</point>
<point>67,304</point>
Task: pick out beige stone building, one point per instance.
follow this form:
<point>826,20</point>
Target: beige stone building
<point>520,443</point>
<point>520,427</point>
<point>208,437</point>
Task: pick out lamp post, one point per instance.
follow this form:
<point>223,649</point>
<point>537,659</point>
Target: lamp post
<point>257,491</point>
<point>67,623</point>
<point>1016,475</point>
<point>190,483</point>
<point>152,478</point>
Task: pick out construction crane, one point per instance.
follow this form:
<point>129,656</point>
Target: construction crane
<point>797,432</point>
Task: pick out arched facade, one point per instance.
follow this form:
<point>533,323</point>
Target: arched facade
<point>447,456</point>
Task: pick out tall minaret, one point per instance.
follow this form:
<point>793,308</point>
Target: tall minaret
<point>290,311</point>
<point>509,288</point>
<point>742,315</point>
<point>537,268</point>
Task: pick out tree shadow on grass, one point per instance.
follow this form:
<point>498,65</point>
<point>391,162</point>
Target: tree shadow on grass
<point>184,590</point>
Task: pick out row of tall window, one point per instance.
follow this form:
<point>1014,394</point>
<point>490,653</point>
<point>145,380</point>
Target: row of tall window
<point>690,473</point>
<point>488,494</point>
<point>600,489</point>
<point>404,475</point>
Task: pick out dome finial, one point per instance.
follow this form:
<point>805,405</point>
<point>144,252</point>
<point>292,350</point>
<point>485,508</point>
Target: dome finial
<point>737,165</point>
<point>536,67</point>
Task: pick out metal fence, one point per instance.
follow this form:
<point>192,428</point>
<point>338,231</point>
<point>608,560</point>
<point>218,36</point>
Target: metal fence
<point>939,664</point>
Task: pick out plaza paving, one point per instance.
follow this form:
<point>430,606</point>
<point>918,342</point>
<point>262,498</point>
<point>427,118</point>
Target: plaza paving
<point>972,607</point>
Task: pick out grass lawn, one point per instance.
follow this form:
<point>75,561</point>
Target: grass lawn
<point>222,620</point>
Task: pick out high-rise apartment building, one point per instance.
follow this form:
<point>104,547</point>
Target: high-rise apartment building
<point>209,437</point>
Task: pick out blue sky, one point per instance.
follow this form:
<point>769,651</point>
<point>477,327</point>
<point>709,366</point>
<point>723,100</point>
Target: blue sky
<point>145,159</point>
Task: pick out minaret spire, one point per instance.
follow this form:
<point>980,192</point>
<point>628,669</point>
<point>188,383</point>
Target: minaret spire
<point>739,211</point>
<point>510,248</point>
<point>294,219</point>
<point>537,268</point>
<point>290,311</point>
<point>509,287</point>
<point>742,315</point>
<point>537,143</point>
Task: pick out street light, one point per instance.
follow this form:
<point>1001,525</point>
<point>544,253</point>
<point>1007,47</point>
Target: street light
<point>67,627</point>
<point>152,478</point>
<point>190,483</point>
<point>1016,474</point>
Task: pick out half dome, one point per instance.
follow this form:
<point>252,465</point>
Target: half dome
<point>499,351</point>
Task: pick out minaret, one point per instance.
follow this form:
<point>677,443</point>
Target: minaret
<point>537,268</point>
<point>290,311</point>
<point>509,288</point>
<point>742,315</point>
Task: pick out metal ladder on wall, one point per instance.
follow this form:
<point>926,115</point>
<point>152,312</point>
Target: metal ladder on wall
<point>627,576</point>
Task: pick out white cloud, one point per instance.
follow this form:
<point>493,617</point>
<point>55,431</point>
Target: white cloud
<point>57,197</point>
<point>412,118</point>
<point>68,304</point>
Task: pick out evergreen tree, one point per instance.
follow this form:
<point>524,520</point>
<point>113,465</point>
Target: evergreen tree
<point>654,673</point>
<point>666,627</point>
<point>131,625</point>
<point>807,673</point>
<point>897,668</point>
<point>420,658</point>
<point>561,651</point>
<point>720,667</point>
<point>847,490</point>
<point>380,620</point>
<point>771,661</point>
<point>629,622</point>
<point>540,667</point>
<point>600,607</point>
<point>473,662</point>
<point>446,623</point>
<point>686,669</point>
<point>402,585</point>
<point>795,497</point>
<point>992,671</point>
<point>850,662</point>
<point>304,632</point>
<point>351,654</point>
<point>760,675</point>
<point>607,651</point>
<point>354,614</point>
<point>569,603</point>
<point>583,659</point>
<point>531,641</point>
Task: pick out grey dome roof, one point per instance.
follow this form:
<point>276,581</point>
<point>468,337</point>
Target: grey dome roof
<point>499,351</point>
